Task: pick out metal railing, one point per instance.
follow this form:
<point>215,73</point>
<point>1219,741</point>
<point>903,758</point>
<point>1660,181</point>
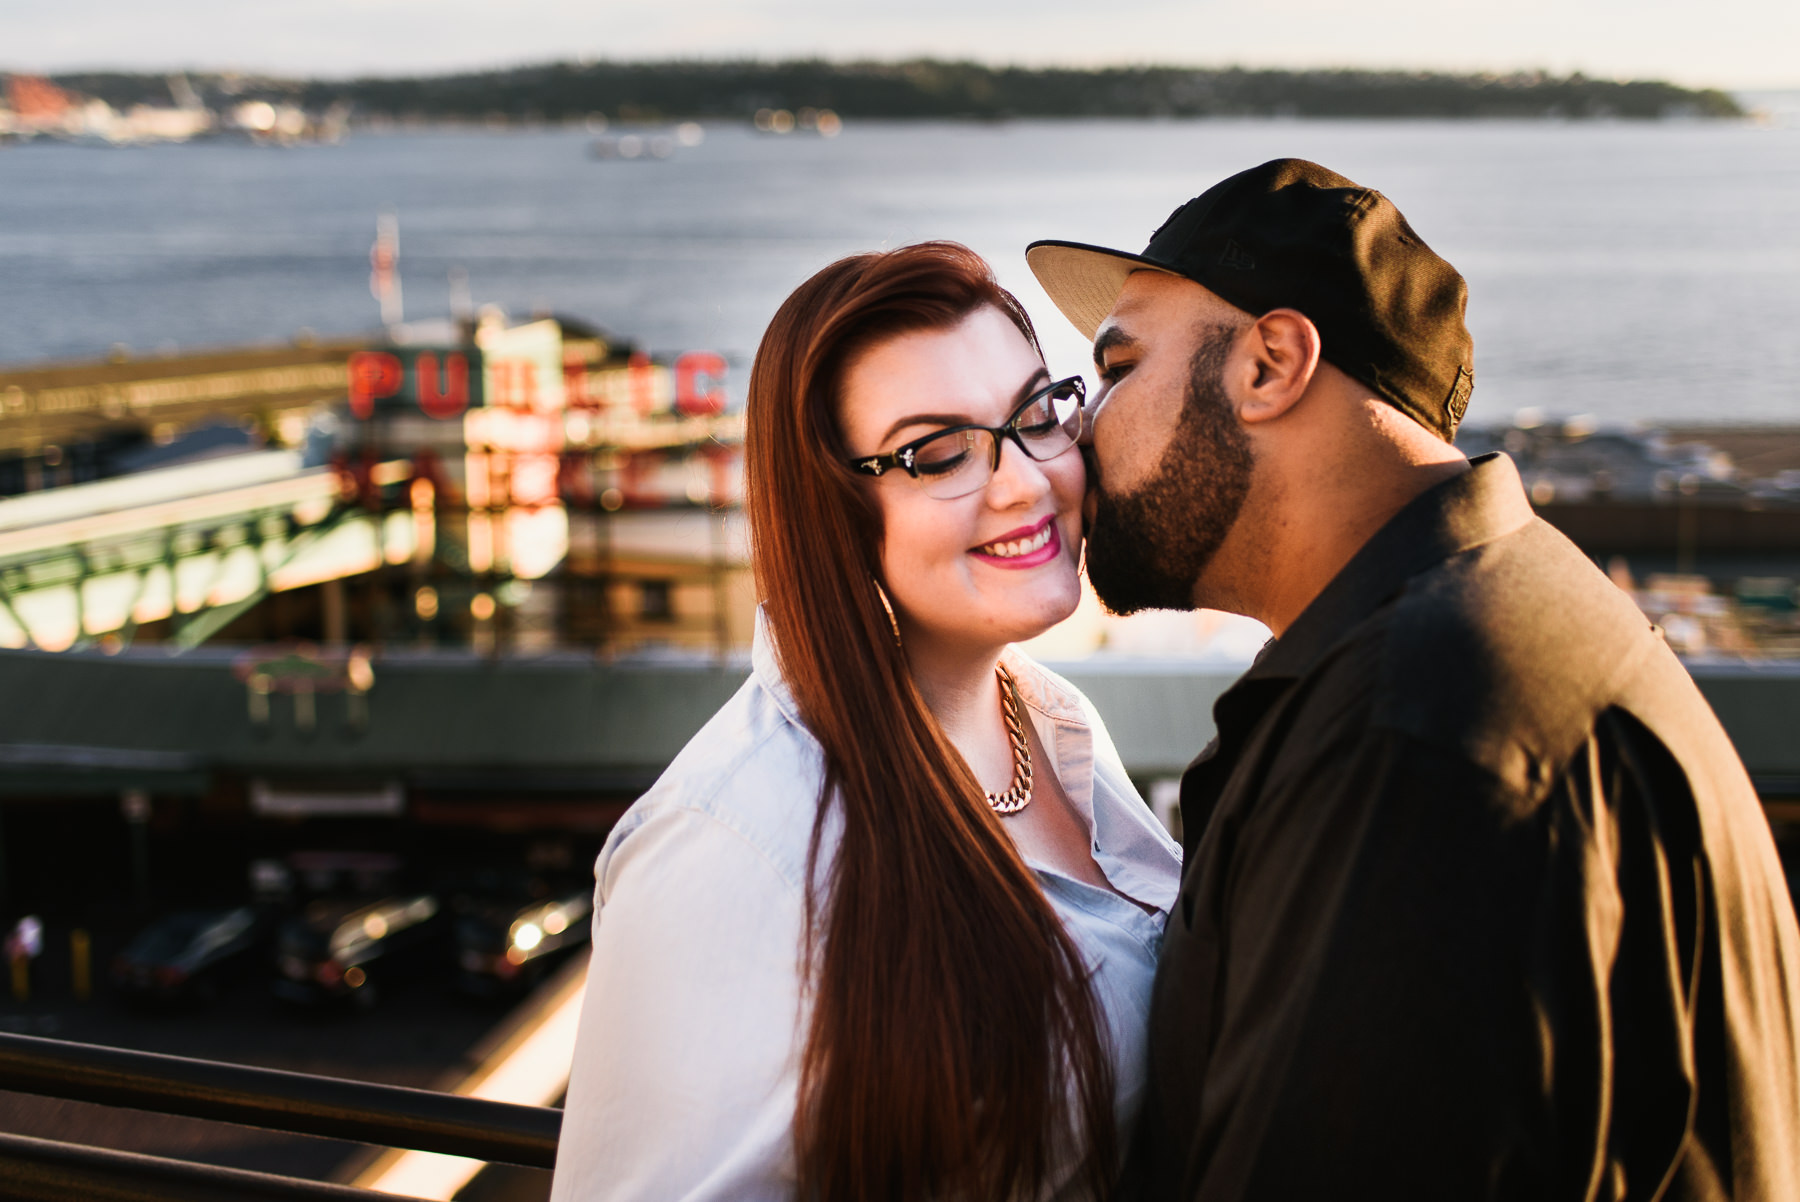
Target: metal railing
<point>44,1170</point>
<point>298,1103</point>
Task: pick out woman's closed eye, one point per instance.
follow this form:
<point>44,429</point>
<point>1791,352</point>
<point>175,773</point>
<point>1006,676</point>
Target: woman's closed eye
<point>941,456</point>
<point>1037,421</point>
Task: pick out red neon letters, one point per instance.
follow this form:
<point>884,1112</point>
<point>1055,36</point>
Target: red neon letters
<point>450,397</point>
<point>692,371</point>
<point>373,374</point>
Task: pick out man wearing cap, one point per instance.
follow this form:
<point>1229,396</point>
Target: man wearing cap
<point>1479,901</point>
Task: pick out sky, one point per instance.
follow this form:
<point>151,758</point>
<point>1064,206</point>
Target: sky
<point>1735,44</point>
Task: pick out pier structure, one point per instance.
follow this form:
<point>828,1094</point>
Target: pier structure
<point>477,484</point>
<point>290,524</point>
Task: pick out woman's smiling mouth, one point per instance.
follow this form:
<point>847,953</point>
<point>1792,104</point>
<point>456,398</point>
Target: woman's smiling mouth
<point>1023,548</point>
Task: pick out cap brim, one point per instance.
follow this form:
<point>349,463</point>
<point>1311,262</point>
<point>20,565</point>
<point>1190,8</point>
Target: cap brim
<point>1084,281</point>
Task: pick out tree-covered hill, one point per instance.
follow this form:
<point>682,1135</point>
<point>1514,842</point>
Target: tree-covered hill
<point>934,89</point>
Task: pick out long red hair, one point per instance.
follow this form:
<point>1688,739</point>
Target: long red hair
<point>955,1049</point>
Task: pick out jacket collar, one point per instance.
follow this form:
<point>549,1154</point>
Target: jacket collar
<point>1475,507</point>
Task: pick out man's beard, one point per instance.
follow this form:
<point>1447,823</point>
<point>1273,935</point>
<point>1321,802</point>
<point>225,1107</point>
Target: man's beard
<point>1147,548</point>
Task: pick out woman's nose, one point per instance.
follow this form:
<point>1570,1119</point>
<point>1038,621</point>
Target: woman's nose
<point>1019,479</point>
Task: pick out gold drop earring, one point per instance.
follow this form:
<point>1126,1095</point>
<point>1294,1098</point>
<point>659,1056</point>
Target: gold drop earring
<point>889,606</point>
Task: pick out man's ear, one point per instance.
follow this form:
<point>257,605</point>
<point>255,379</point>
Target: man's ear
<point>1278,355</point>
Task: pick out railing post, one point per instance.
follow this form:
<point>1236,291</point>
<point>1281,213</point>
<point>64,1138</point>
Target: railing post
<point>81,965</point>
<point>134,805</point>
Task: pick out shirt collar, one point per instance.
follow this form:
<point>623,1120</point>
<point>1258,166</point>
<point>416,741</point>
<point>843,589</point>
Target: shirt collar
<point>1042,689</point>
<point>1038,688</point>
<point>767,667</point>
<point>1472,508</point>
<point>1118,829</point>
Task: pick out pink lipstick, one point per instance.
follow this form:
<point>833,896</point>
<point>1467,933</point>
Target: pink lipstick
<point>1027,547</point>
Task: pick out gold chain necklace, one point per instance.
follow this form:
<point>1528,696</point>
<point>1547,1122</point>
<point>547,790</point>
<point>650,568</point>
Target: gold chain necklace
<point>1018,795</point>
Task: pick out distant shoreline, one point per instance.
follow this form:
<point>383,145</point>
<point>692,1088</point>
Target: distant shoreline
<point>561,93</point>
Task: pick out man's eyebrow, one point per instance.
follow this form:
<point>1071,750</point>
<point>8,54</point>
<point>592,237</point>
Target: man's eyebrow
<point>1030,386</point>
<point>1110,337</point>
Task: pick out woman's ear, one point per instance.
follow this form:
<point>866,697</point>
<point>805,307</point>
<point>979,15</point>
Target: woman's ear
<point>1279,355</point>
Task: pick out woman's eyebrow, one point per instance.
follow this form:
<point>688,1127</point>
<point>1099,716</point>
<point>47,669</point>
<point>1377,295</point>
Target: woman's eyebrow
<point>926,419</point>
<point>1040,376</point>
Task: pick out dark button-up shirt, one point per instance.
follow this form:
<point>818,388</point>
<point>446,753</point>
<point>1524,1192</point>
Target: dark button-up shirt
<point>1479,901</point>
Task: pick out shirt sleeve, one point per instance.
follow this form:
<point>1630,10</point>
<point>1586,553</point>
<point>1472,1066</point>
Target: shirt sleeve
<point>684,1078</point>
<point>1428,987</point>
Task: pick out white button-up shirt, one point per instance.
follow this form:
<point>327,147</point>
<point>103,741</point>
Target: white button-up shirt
<point>687,1060</point>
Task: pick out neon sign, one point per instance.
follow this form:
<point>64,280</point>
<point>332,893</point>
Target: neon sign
<point>700,383</point>
<point>442,388</point>
<point>449,398</point>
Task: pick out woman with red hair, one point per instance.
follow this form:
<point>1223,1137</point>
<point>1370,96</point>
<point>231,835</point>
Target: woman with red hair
<point>886,928</point>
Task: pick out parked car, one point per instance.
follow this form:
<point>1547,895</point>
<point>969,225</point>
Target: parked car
<point>338,949</point>
<point>509,943</point>
<point>191,955</point>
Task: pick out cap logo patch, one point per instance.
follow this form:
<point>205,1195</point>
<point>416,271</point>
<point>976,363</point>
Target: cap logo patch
<point>1458,400</point>
<point>1236,257</point>
<point>1170,220</point>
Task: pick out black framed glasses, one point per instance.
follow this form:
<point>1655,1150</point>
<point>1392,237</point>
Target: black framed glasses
<point>953,463</point>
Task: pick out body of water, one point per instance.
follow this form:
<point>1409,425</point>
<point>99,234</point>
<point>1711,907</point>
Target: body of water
<point>1632,271</point>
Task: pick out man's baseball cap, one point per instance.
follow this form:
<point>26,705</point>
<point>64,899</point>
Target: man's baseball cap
<point>1291,234</point>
